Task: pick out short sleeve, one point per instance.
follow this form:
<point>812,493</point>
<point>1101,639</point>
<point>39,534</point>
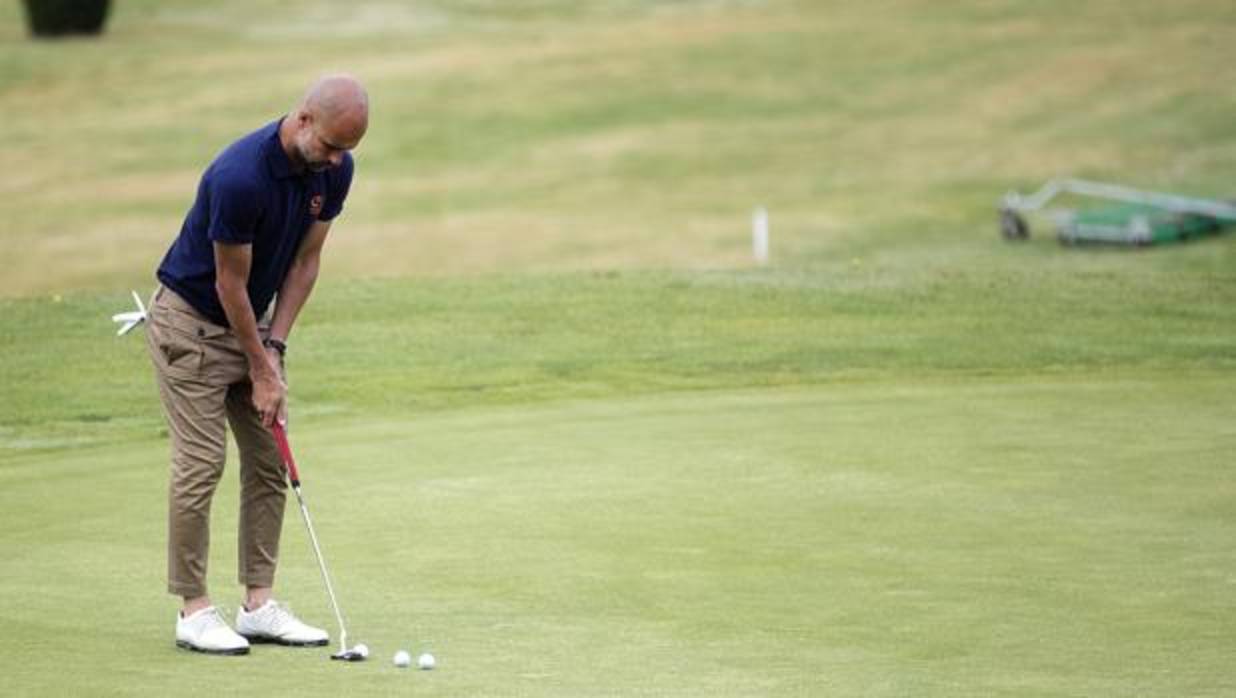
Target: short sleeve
<point>234,211</point>
<point>338,182</point>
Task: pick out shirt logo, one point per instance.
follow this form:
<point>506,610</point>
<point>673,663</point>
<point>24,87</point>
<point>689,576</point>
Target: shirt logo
<point>315,204</point>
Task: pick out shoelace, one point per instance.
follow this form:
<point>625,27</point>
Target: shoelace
<point>281,615</point>
<point>211,619</point>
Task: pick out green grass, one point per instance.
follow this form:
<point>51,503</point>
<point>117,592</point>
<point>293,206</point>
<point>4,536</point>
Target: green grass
<point>418,346</point>
<point>558,429</point>
<point>1053,537</point>
<point>751,483</point>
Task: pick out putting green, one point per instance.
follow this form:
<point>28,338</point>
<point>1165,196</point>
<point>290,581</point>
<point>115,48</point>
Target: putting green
<point>1001,537</point>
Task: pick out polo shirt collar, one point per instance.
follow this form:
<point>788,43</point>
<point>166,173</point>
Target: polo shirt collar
<point>276,158</point>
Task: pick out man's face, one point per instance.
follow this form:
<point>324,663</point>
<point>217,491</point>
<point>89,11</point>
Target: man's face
<point>321,144</point>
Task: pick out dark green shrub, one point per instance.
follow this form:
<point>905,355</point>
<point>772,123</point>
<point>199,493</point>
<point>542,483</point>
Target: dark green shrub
<point>64,17</point>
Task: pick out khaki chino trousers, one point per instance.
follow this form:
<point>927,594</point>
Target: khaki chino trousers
<point>203,379</point>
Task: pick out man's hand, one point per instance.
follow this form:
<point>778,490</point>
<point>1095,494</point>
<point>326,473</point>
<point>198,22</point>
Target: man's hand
<point>276,359</point>
<point>269,392</point>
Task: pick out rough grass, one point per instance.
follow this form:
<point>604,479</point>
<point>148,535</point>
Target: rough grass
<point>554,135</point>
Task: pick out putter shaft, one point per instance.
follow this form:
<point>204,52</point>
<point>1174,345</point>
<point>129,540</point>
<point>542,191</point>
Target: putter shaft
<point>289,463</point>
<point>317,552</point>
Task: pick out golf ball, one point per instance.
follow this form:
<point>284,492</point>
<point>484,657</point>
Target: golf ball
<point>362,649</point>
<point>426,661</point>
<point>402,659</point>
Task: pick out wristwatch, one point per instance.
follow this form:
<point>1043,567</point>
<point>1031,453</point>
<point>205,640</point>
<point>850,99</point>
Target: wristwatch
<point>277,344</point>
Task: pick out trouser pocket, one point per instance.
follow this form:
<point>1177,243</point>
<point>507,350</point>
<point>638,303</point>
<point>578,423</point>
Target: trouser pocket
<point>176,351</point>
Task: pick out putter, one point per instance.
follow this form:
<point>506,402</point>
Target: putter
<point>345,653</point>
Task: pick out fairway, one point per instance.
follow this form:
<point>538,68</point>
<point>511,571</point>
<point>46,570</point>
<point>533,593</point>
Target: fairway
<point>1003,538</point>
<point>559,428</point>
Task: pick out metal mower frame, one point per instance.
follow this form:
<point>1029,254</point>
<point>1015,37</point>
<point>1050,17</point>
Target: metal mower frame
<point>1136,230</point>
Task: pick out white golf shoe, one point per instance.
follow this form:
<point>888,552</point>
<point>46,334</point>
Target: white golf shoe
<point>274,623</point>
<point>205,631</point>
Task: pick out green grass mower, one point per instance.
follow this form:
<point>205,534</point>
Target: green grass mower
<point>1129,216</point>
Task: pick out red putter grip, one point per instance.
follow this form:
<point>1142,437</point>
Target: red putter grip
<point>281,440</point>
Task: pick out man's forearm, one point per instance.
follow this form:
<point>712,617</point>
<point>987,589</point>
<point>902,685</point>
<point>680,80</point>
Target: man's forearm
<point>292,296</point>
<point>235,301</point>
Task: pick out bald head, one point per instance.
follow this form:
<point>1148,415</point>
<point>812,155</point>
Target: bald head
<point>337,96</point>
<point>330,120</point>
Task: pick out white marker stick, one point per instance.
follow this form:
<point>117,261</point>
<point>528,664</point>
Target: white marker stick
<point>759,235</point>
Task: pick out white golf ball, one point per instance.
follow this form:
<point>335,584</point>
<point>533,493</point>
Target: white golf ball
<point>402,659</point>
<point>362,649</point>
<point>426,661</point>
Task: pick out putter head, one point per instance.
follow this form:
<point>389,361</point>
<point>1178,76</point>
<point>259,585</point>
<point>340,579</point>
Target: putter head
<point>348,656</point>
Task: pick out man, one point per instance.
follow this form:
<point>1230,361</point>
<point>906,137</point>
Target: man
<point>231,287</point>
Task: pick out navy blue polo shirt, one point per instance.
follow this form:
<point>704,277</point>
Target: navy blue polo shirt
<point>250,196</point>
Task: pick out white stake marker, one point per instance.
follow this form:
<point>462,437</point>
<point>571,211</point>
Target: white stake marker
<point>759,235</point>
